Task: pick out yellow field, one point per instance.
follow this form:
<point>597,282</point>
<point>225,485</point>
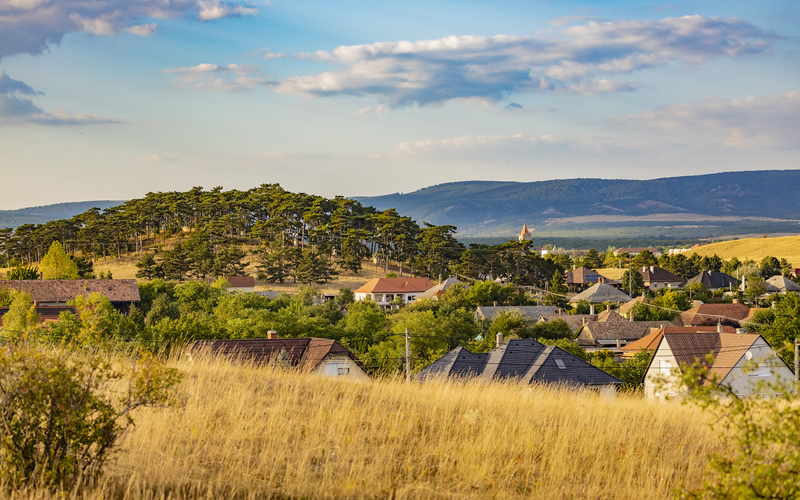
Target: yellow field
<point>787,247</point>
<point>247,432</point>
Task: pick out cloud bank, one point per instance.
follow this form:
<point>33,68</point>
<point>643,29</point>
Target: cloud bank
<point>584,59</point>
<point>30,26</point>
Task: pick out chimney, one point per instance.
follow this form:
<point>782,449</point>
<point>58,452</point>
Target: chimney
<point>630,314</point>
<point>591,308</point>
<point>719,327</point>
<point>560,311</point>
<point>652,269</point>
<point>272,335</point>
<point>608,307</point>
<point>618,344</point>
<point>735,301</point>
<point>499,339</point>
<point>440,277</point>
<point>494,303</point>
<point>741,331</point>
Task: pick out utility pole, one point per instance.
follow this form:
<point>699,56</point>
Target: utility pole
<point>408,359</point>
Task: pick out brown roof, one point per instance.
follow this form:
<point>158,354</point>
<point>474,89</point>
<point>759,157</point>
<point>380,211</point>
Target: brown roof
<point>582,275</point>
<point>305,353</point>
<point>650,342</point>
<point>704,312</point>
<point>624,330</point>
<point>241,281</point>
<point>727,348</point>
<point>396,285</point>
<point>67,290</point>
<point>625,308</point>
<point>609,315</point>
<point>658,274</point>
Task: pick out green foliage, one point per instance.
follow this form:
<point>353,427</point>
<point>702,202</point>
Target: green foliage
<point>23,272</point>
<point>643,312</point>
<point>163,307</point>
<point>554,330</point>
<point>85,267</point>
<point>228,262</point>
<point>364,321</point>
<point>345,297</point>
<point>314,267</point>
<point>59,423</point>
<point>196,296</point>
<point>672,299</point>
<point>637,284</point>
<point>568,346</point>
<point>630,371</point>
<point>21,322</point>
<point>486,293</point>
<point>698,291</point>
<point>582,307</point>
<point>558,291</point>
<point>764,460</point>
<point>148,267</point>
<point>780,325</point>
<point>510,323</point>
<point>149,291</point>
<point>56,264</point>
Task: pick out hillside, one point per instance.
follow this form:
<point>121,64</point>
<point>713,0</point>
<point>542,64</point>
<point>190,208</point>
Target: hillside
<point>787,247</point>
<point>691,206</point>
<point>46,213</point>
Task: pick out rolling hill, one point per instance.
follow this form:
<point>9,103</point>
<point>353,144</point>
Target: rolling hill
<point>692,206</point>
<point>46,213</point>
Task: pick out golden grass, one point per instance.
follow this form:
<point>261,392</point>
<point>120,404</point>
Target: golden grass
<point>787,247</point>
<point>246,432</point>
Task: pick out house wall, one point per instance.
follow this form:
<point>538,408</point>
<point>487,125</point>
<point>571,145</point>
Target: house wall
<point>773,371</point>
<point>247,289</point>
<point>671,386</point>
<point>342,367</point>
<point>385,299</point>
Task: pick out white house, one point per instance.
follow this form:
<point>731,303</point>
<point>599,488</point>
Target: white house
<point>742,362</point>
<point>385,291</point>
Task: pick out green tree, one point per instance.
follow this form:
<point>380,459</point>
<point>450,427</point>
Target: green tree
<point>638,282</point>
<point>364,321</point>
<point>56,264</point>
<point>314,267</point>
<point>23,272</point>
<point>228,262</point>
<point>557,295</point>
<point>21,322</point>
<point>147,267</point>
<point>85,267</point>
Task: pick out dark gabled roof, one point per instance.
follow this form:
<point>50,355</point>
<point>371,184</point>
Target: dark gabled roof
<point>68,290</point>
<point>530,312</point>
<point>657,274</point>
<point>622,330</point>
<point>241,281</point>
<point>305,353</point>
<point>524,359</point>
<point>714,280</point>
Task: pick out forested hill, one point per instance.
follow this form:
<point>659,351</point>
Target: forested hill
<point>481,207</point>
<point>46,213</point>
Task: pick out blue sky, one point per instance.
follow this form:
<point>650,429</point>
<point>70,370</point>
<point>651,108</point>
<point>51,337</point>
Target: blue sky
<point>115,98</point>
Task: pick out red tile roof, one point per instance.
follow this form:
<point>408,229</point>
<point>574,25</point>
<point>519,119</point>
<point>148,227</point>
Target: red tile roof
<point>396,285</point>
<point>241,281</point>
<point>704,312</point>
<point>67,290</point>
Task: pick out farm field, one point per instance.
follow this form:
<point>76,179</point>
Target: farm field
<point>787,247</point>
<point>247,432</point>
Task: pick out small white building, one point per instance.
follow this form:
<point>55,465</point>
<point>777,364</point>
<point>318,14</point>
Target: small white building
<point>743,362</point>
<point>388,291</point>
<point>241,283</point>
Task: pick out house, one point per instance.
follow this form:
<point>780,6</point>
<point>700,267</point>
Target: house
<point>121,293</point>
<point>385,291</point>
<point>656,278</point>
<point>524,360</point>
<point>743,362</point>
<point>47,314</point>
<point>616,334</point>
<point>438,290</point>
<point>781,284</point>
<point>524,235</point>
<point>650,341</point>
<point>488,313</point>
<point>241,283</point>
<point>324,357</point>
<point>583,276</point>
<point>633,252</point>
<point>599,294</point>
<point>714,281</point>
<point>706,314</point>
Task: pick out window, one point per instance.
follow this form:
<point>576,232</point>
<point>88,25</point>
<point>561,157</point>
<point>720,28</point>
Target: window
<point>665,367</point>
<point>560,364</point>
<point>342,371</point>
<point>336,368</point>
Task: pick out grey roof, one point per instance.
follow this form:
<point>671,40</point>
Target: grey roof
<point>622,330</point>
<point>441,287</point>
<point>530,312</point>
<point>527,360</point>
<point>574,321</point>
<point>713,280</point>
<point>599,293</point>
<point>782,284</point>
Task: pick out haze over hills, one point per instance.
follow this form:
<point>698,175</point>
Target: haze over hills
<point>692,206</point>
<point>45,213</point>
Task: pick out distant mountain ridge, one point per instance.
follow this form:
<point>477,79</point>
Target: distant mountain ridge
<point>46,213</point>
<point>490,208</point>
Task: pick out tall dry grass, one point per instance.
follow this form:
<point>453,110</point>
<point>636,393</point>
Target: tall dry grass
<point>248,432</point>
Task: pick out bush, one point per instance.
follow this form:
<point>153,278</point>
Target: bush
<point>59,423</point>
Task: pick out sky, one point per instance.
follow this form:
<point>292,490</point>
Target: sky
<point>112,99</point>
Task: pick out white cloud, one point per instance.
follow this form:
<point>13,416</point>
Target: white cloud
<point>219,78</point>
<point>579,59</point>
<point>380,110</point>
<point>30,26</point>
<point>753,122</point>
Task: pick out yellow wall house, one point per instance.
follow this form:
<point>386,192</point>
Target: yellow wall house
<point>744,362</point>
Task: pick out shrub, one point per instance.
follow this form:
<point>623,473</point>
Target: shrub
<point>59,422</point>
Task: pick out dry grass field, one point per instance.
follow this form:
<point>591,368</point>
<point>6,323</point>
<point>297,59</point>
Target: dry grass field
<point>787,247</point>
<point>246,432</point>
